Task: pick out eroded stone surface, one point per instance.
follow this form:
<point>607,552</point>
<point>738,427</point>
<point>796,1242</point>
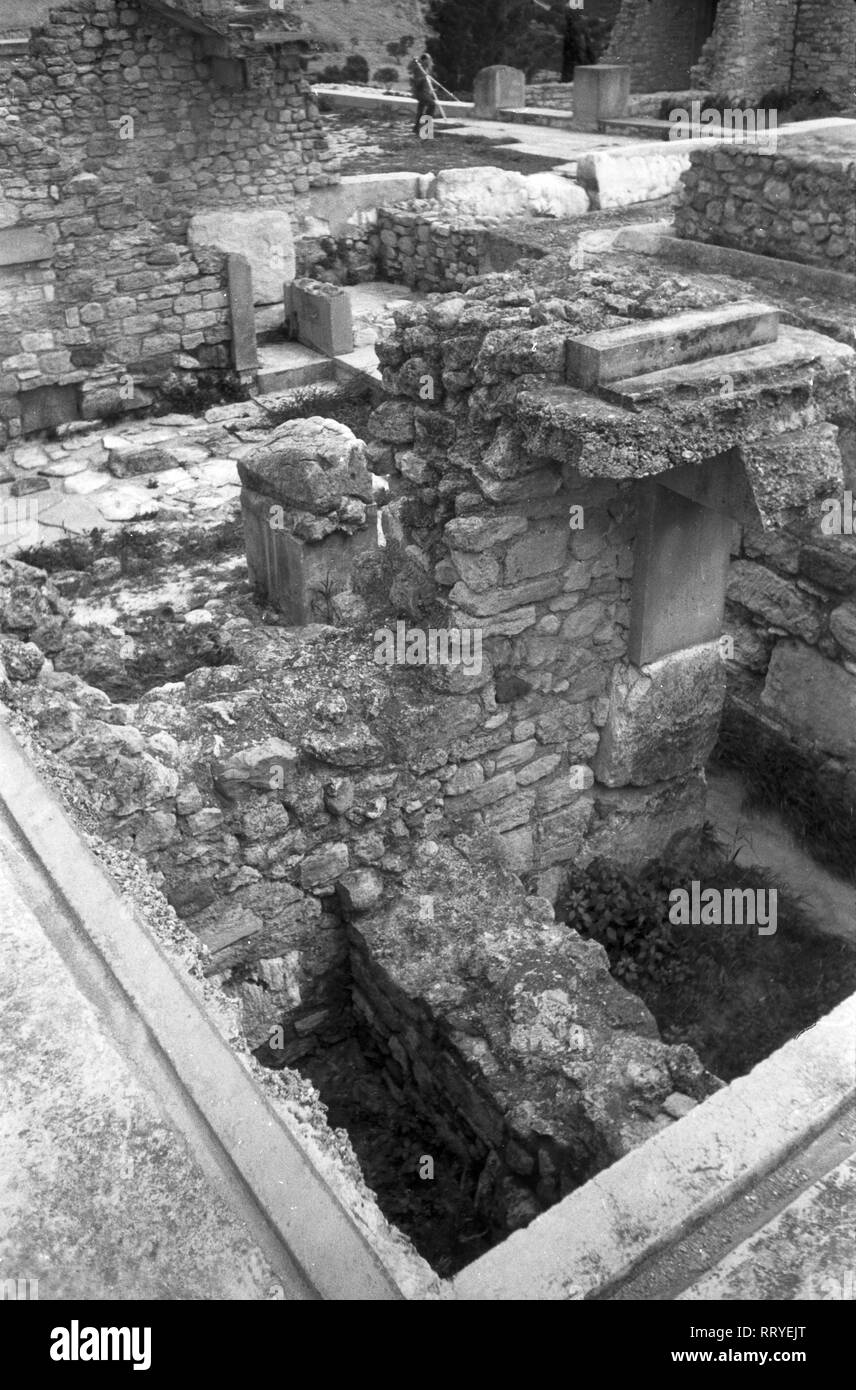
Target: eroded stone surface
<point>663,718</point>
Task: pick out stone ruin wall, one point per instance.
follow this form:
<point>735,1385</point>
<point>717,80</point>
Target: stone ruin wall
<point>414,243</point>
<point>306,843</point>
<point>305,838</point>
<point>792,617</point>
<point>755,45</point>
<point>558,95</point>
<point>657,39</point>
<point>410,243</point>
<point>799,207</point>
<point>103,287</point>
<point>760,44</point>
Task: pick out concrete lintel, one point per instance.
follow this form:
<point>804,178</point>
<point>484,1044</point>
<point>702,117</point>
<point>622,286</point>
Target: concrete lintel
<point>657,1192</point>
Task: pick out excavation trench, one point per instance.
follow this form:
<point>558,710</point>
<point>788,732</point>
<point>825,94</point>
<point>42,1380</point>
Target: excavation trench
<point>431,1140</point>
<point>469,1115</point>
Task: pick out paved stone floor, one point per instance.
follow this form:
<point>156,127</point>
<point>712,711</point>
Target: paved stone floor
<point>202,483</point>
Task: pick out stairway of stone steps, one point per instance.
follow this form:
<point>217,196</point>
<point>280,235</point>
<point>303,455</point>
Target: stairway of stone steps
<point>636,397</point>
<point>285,364</point>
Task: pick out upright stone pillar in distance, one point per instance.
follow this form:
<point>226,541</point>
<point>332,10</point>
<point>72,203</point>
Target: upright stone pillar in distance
<point>498,87</point>
<point>244,354</point>
<point>601,93</point>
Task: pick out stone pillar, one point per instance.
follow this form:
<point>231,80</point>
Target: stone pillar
<point>240,281</point>
<point>308,514</point>
<point>498,87</point>
<point>601,93</point>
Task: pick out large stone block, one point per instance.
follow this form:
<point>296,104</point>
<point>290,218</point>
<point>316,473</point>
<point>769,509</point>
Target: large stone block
<point>681,565</point>
<point>263,236</point>
<point>23,246</point>
<point>774,600</point>
<point>635,824</point>
<point>601,92</point>
<point>300,577</point>
<point>241,310</point>
<point>309,465</point>
<point>813,697</point>
<point>628,174</point>
<point>321,315</point>
<point>496,87</point>
<point>615,354</point>
<point>487,191</point>
<point>663,719</point>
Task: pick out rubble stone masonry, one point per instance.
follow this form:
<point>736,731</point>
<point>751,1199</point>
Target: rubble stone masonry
<point>113,132</point>
<point>789,204</point>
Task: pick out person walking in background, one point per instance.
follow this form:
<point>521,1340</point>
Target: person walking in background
<point>422,88</point>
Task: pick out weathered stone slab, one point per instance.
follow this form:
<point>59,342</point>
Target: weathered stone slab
<point>47,406</point>
<point>619,177</point>
<point>241,309</point>
<point>488,191</point>
<point>309,465</point>
<point>681,566</point>
<point>498,86</point>
<point>776,601</point>
<point>812,696</point>
<point>613,354</point>
<point>299,577</point>
<point>322,316</point>
<point>663,718</point>
<point>264,237</point>
<point>23,246</point>
<point>601,92</point>
<point>798,361</point>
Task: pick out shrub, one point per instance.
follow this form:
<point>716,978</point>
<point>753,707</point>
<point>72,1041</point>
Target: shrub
<point>800,103</point>
<point>628,915</point>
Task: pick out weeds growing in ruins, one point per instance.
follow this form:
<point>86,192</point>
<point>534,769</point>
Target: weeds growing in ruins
<point>732,995</point>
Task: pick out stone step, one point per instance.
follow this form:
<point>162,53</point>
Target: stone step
<point>791,361</point>
<point>538,115</point>
<point>618,354</point>
<point>283,366</point>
